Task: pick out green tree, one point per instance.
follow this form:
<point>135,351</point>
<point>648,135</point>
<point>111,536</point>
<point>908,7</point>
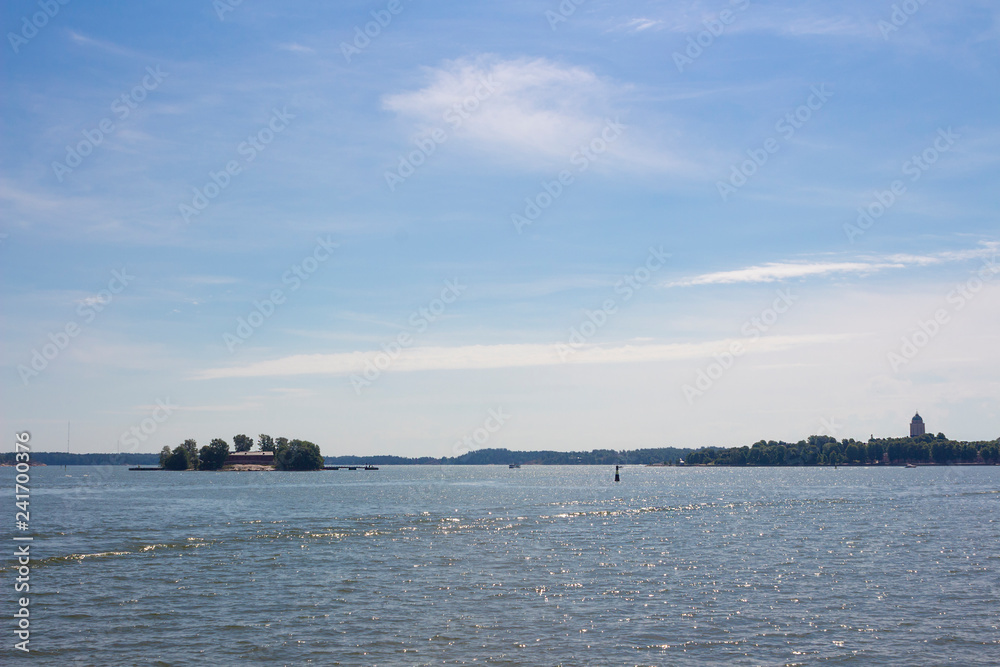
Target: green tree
<point>298,455</point>
<point>280,442</point>
<point>265,442</point>
<point>191,447</point>
<point>164,455</point>
<point>875,451</point>
<point>242,443</point>
<point>178,459</point>
<point>941,451</point>
<point>213,455</point>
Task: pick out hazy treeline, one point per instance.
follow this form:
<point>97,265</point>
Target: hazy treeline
<point>506,456</point>
<point>826,450</point>
<point>64,459</point>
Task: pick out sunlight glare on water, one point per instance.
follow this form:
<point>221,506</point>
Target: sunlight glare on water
<point>541,565</point>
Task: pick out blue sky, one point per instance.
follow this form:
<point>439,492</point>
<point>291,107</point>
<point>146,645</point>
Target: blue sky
<point>632,224</point>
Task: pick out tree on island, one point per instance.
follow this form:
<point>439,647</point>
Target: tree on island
<point>179,459</point>
<point>298,455</point>
<point>191,447</point>
<point>242,443</point>
<point>280,442</point>
<point>164,455</point>
<point>265,442</point>
<point>214,455</point>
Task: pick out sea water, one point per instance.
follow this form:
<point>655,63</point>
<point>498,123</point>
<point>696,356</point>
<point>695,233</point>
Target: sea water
<point>542,565</point>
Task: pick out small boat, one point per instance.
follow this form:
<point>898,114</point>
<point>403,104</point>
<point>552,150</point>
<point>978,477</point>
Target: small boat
<point>514,465</point>
<point>910,465</point>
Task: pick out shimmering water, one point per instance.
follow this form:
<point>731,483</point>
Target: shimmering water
<point>536,566</point>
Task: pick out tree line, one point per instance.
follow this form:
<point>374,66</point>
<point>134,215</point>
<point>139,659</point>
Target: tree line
<point>67,459</point>
<point>493,456</point>
<point>827,450</point>
<point>288,454</point>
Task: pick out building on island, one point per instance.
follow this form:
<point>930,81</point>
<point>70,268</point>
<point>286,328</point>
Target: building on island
<point>250,458</point>
<point>916,426</point>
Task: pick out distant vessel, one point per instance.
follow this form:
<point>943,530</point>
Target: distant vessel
<point>910,465</point>
<point>514,465</point>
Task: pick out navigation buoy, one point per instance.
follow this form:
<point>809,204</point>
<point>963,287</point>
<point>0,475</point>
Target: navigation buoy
<point>617,479</point>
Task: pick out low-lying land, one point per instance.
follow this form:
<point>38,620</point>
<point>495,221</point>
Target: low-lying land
<point>816,450</point>
<point>825,450</point>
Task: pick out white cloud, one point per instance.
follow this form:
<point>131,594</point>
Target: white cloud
<point>296,48</point>
<point>109,47</point>
<point>777,271</point>
<point>479,357</point>
<point>641,24</point>
<point>525,107</point>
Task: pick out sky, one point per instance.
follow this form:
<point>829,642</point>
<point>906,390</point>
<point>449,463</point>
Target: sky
<point>415,228</point>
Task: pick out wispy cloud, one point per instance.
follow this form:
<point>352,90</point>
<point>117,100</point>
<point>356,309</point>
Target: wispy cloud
<point>528,106</point>
<point>794,21</point>
<point>108,47</point>
<point>536,114</point>
<point>778,271</point>
<point>296,48</point>
<point>479,357</point>
<point>641,24</point>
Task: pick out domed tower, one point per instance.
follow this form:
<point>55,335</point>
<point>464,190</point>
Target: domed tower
<point>916,425</point>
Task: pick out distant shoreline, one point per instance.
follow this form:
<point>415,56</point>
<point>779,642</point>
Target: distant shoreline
<point>815,451</point>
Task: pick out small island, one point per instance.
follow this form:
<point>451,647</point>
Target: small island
<point>272,454</point>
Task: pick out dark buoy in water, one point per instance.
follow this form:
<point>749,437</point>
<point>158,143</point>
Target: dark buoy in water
<point>617,479</point>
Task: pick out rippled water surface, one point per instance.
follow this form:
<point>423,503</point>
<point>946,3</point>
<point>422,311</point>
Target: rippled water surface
<point>535,566</point>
